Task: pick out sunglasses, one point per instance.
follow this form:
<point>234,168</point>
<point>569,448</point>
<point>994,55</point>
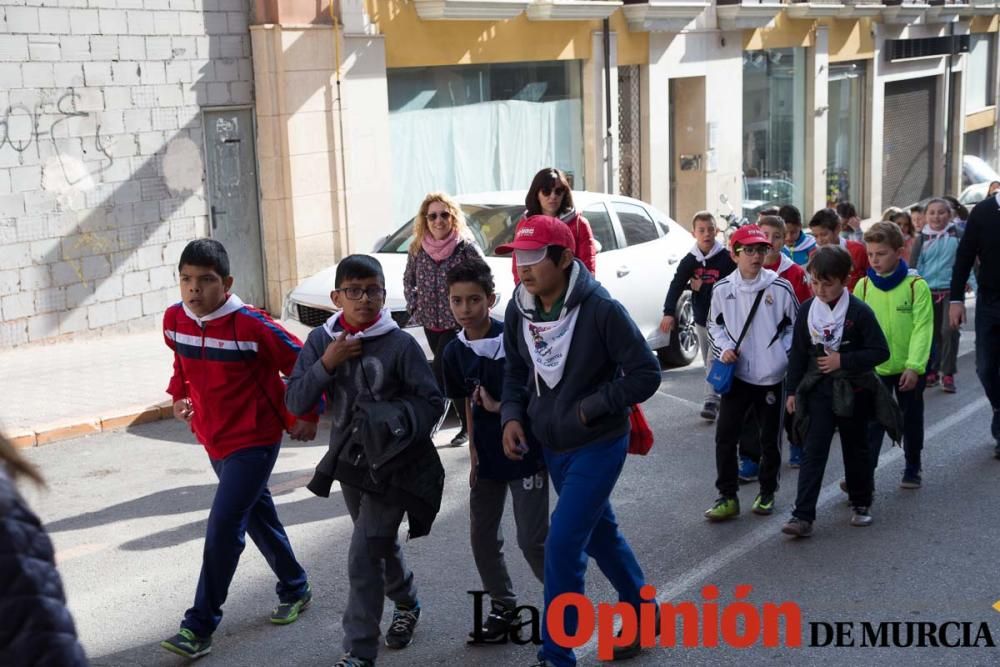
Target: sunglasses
<point>444,215</point>
<point>559,190</point>
<point>355,293</point>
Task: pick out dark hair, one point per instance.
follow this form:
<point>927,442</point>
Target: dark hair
<point>548,178</point>
<point>845,209</point>
<point>887,233</point>
<point>830,262</point>
<point>900,218</point>
<point>358,267</point>
<point>826,218</point>
<point>790,215</point>
<point>917,208</point>
<point>472,271</point>
<point>957,207</point>
<point>769,210</point>
<point>206,253</point>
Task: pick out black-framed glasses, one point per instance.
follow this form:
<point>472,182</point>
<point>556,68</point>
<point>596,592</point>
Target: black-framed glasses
<point>355,293</point>
<point>444,215</point>
<point>756,249</point>
<point>559,190</point>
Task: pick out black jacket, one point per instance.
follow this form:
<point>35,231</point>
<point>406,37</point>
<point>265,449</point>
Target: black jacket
<point>981,241</point>
<point>717,267</point>
<point>609,367</point>
<point>36,629</point>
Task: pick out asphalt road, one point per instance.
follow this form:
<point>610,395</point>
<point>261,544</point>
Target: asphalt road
<point>127,514</point>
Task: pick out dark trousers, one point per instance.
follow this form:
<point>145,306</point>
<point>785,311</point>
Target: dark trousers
<point>816,450</point>
<point>242,506</point>
<point>944,350</point>
<point>437,341</point>
<point>988,347</point>
<point>750,437</point>
<point>912,404</point>
<point>766,402</point>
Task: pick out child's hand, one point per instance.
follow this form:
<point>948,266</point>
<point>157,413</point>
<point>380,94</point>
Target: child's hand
<point>908,380</point>
<point>514,442</point>
<point>184,410</point>
<point>340,350</point>
<point>696,284</point>
<point>303,431</point>
<point>830,362</point>
<point>729,357</point>
<point>667,324</point>
<point>790,405</point>
<point>482,398</point>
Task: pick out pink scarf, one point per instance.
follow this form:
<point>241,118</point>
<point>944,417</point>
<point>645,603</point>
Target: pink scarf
<point>440,250</point>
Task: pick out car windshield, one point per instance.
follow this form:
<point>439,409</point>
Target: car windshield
<point>491,226</point>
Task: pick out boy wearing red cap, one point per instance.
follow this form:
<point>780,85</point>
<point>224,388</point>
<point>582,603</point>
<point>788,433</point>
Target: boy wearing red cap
<point>751,320</point>
<point>575,363</point>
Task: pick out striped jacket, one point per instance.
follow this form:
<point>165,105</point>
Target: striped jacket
<point>228,364</point>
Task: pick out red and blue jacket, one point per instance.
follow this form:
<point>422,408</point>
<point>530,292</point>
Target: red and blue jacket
<point>228,364</point>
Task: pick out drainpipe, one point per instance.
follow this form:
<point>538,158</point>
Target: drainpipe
<point>342,177</point>
<point>608,140</point>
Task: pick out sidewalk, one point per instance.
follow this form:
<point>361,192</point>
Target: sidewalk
<point>65,390</point>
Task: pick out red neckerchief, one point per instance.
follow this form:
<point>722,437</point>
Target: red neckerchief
<point>353,330</point>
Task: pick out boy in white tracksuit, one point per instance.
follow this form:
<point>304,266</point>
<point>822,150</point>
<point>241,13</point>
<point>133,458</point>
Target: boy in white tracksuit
<point>760,360</point>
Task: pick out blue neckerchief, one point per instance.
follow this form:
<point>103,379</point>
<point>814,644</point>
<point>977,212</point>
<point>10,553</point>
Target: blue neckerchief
<point>889,282</point>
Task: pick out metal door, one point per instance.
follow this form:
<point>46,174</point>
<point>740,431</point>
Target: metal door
<point>232,193</point>
<point>687,148</point>
<point>908,165</point>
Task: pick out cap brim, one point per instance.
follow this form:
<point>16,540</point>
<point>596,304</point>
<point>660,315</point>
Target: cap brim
<point>521,244</point>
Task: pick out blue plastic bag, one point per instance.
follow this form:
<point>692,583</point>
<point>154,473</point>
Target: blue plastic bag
<point>720,376</point>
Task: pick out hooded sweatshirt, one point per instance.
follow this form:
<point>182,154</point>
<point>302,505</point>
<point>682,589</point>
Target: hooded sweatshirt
<point>228,363</point>
<point>934,254</point>
<point>763,354</point>
<point>709,268</point>
<point>802,250</point>
<point>607,367</point>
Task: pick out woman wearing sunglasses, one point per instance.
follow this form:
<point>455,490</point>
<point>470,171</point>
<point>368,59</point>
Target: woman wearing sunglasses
<point>550,195</point>
<point>440,241</point>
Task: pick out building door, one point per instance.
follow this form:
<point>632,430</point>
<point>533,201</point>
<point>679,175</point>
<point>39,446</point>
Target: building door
<point>908,165</point>
<point>687,148</point>
<point>232,194</point>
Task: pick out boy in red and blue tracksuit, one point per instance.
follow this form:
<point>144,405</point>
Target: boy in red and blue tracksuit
<point>226,385</point>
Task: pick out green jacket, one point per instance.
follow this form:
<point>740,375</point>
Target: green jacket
<point>906,315</point>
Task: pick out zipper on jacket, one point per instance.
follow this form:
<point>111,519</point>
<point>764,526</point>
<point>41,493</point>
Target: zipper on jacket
<point>201,325</point>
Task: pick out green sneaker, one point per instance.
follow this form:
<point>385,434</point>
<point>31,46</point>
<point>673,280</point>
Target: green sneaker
<point>763,504</point>
<point>188,645</point>
<point>288,612</point>
<point>724,508</point>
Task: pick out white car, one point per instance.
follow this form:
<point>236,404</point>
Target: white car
<point>639,248</point>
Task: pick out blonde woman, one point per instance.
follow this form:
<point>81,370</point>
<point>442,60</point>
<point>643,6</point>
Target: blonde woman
<point>440,241</point>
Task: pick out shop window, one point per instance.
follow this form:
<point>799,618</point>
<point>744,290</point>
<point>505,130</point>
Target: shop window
<point>845,134</point>
<point>979,73</point>
<point>478,128</point>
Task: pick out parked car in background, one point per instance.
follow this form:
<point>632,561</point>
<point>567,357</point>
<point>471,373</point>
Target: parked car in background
<point>759,193</point>
<point>639,248</point>
<point>976,170</point>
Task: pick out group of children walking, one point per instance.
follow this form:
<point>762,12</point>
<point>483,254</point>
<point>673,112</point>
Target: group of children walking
<point>547,394</point>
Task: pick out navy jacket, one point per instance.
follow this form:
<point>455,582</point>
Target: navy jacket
<point>609,368</point>
<point>36,629</point>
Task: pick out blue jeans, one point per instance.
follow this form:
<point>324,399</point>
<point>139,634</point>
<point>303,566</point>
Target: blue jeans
<point>242,505</point>
<point>583,525</point>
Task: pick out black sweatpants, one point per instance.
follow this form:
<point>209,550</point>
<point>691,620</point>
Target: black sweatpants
<point>767,403</point>
<point>816,451</point>
<point>437,341</point>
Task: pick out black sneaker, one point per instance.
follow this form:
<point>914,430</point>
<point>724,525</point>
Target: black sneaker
<point>460,438</point>
<point>709,411</point>
<point>996,451</point>
<point>288,612</point>
<point>911,478</point>
<point>497,624</point>
<point>635,648</point>
<point>995,427</point>
<point>188,645</point>
<point>348,660</point>
<point>404,622</point>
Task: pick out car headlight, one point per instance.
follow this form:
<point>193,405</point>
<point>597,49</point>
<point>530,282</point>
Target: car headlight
<point>288,309</point>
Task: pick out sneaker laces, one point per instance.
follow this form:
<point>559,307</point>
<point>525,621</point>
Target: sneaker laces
<point>402,620</point>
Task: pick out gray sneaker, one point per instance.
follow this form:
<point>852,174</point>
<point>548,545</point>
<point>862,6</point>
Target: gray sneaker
<point>861,518</point>
<point>348,660</point>
<point>797,527</point>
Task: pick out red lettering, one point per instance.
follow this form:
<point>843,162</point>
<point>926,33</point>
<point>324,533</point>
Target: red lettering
<point>606,639</point>
<point>555,619</point>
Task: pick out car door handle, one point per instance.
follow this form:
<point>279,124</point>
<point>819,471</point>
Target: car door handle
<point>623,271</point>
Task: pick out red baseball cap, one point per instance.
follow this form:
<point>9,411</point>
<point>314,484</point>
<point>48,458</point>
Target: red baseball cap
<point>537,232</point>
<point>749,235</point>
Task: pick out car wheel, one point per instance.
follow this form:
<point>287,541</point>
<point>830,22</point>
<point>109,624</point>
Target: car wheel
<point>683,346</point>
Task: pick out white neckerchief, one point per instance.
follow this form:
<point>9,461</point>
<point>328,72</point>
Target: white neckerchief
<point>488,348</point>
<point>231,305</point>
<point>932,235</point>
<point>784,264</point>
<point>843,243</point>
<point>805,242</point>
<point>548,342</point>
<point>826,325</point>
<point>384,325</point>
<point>762,281</point>
<point>704,257</point>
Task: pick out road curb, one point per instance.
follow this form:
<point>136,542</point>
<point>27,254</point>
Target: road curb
<point>66,430</point>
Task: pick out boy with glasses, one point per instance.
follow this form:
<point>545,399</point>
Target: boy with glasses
<point>751,319</point>
<point>362,363</point>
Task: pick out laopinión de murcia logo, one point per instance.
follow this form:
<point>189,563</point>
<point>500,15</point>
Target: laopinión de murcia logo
<point>711,623</point>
